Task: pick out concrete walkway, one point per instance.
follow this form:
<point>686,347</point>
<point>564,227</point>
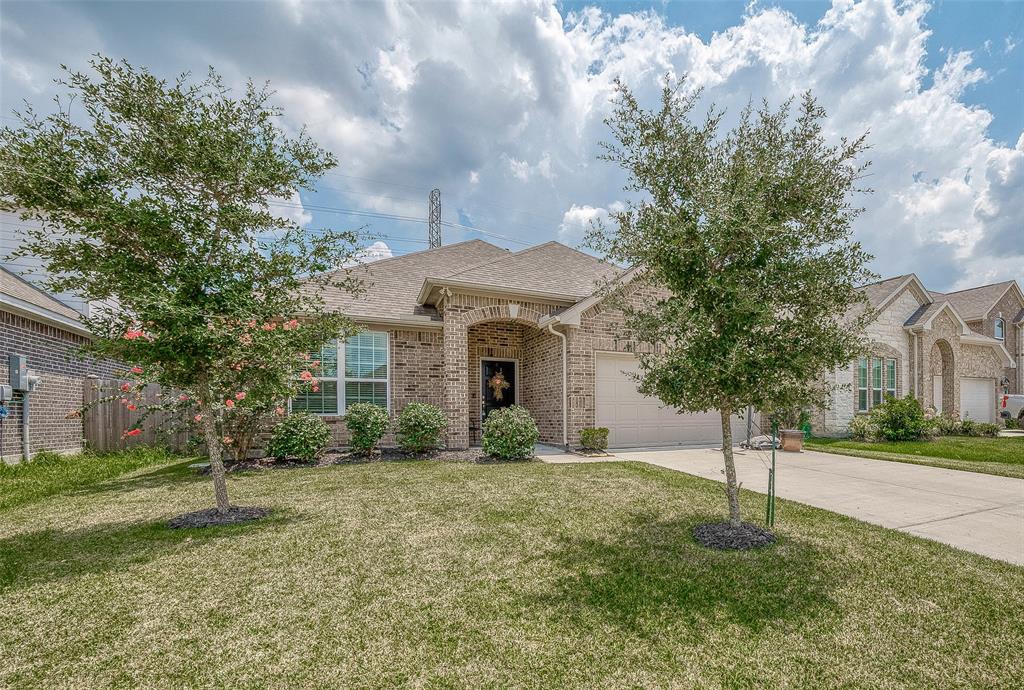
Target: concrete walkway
<point>976,512</point>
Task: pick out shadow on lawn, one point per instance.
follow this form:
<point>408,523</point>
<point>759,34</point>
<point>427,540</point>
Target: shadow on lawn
<point>51,555</point>
<point>652,572</point>
<point>177,473</point>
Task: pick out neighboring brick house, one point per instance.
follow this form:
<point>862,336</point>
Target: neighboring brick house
<point>49,333</point>
<point>955,352</point>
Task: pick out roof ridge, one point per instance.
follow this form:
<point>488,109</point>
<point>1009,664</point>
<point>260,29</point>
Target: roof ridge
<point>885,280</point>
<point>417,252</point>
<point>979,287</point>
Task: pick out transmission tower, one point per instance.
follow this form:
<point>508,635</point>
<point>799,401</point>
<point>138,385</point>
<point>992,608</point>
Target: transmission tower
<point>434,221</point>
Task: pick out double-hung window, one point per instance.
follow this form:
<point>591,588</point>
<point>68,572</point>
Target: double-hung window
<point>876,380</point>
<point>1000,329</point>
<point>349,372</point>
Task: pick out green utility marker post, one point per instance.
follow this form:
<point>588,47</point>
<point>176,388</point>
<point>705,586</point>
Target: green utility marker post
<point>770,517</point>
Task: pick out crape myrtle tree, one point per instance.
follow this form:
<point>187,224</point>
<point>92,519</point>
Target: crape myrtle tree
<point>746,239</point>
<point>153,198</point>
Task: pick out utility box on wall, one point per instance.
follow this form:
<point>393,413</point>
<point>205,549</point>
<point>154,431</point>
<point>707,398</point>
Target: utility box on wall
<point>18,365</point>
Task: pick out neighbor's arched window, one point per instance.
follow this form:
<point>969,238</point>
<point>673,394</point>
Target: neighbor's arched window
<point>1000,329</point>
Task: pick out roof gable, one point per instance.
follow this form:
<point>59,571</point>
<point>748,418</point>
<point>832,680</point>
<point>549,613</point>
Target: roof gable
<point>975,303</point>
<point>21,295</point>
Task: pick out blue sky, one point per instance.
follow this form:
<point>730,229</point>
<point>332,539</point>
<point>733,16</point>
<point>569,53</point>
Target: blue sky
<point>501,106</point>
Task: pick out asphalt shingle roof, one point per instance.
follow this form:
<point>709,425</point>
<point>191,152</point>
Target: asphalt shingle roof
<point>551,267</point>
<point>877,292</point>
<point>14,286</point>
<point>391,286</point>
<point>974,303</point>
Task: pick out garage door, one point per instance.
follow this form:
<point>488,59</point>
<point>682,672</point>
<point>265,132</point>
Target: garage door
<point>636,420</point>
<point>977,399</point>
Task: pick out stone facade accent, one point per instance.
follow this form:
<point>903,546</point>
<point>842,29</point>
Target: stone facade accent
<point>1006,309</point>
<point>53,355</point>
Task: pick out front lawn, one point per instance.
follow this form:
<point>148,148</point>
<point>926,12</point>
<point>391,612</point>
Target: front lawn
<point>1001,456</point>
<point>432,574</point>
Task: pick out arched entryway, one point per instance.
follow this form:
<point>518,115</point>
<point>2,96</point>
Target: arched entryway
<point>941,393</point>
<point>495,356</point>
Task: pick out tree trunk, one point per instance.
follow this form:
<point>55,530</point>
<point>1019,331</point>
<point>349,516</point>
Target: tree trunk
<point>214,448</point>
<point>732,490</point>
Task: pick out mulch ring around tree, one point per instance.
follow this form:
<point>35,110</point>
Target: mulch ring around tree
<point>725,537</point>
<point>211,518</point>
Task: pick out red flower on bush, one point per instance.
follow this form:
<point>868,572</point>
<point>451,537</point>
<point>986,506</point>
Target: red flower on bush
<point>198,418</point>
<point>270,326</point>
<point>240,395</point>
<point>133,432</point>
<point>229,403</point>
<point>132,408</point>
<point>306,376</point>
<point>133,334</point>
<point>136,370</point>
<point>183,398</point>
<point>125,387</point>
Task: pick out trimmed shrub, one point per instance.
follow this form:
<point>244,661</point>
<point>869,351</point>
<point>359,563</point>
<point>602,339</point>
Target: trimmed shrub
<point>300,436</point>
<point>367,423</point>
<point>510,433</point>
<point>861,428</point>
<point>946,425</point>
<point>420,426</point>
<point>969,427</point>
<point>899,419</point>
<point>594,438</point>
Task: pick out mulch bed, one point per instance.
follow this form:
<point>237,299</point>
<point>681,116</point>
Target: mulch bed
<point>211,518</point>
<point>723,536</point>
<point>345,457</point>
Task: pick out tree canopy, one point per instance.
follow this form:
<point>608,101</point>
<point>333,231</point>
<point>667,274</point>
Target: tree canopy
<point>746,236</point>
<point>156,200</point>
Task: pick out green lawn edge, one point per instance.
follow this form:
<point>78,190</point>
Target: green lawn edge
<point>998,469</point>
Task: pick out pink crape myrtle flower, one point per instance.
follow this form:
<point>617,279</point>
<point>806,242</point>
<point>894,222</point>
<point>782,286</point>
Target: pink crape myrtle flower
<point>229,403</point>
<point>279,410</point>
<point>133,432</point>
<point>240,395</point>
<point>125,387</point>
<point>136,370</point>
<point>198,418</point>
<point>306,375</point>
<point>133,334</point>
<point>182,398</point>
<point>316,389</point>
<point>228,440</point>
<point>270,326</point>
<point>132,408</point>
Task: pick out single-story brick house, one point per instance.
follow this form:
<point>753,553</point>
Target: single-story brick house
<point>471,326</point>
<point>955,352</point>
<point>48,333</point>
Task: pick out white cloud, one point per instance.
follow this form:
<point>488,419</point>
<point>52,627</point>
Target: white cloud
<point>578,221</point>
<point>375,252</point>
<point>291,209</point>
<point>501,106</point>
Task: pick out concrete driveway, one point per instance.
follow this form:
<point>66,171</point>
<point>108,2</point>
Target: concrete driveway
<point>976,512</point>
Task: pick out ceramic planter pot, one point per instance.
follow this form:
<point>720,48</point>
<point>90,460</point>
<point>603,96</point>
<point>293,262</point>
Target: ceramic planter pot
<point>792,440</point>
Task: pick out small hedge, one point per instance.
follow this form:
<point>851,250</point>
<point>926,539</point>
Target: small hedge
<point>899,419</point>
<point>367,423</point>
<point>510,433</point>
<point>420,426</point>
<point>300,436</point>
<point>594,438</point>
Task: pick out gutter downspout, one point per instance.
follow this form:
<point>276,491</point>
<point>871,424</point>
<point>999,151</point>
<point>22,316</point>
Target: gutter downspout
<point>565,387</point>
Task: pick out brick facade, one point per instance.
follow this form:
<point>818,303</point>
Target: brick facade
<point>1006,309</point>
<point>52,355</point>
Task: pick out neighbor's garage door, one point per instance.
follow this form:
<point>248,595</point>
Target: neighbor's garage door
<point>977,399</point>
<point>636,420</point>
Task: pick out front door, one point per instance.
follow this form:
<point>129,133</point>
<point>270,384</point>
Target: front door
<point>500,389</point>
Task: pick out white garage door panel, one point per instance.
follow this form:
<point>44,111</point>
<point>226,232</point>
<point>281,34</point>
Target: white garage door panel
<point>977,399</point>
<point>635,420</point>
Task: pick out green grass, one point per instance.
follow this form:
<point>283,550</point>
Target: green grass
<point>519,575</point>
<point>1003,456</point>
<point>49,474</point>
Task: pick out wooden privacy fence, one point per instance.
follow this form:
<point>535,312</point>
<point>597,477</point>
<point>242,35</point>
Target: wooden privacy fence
<point>103,423</point>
